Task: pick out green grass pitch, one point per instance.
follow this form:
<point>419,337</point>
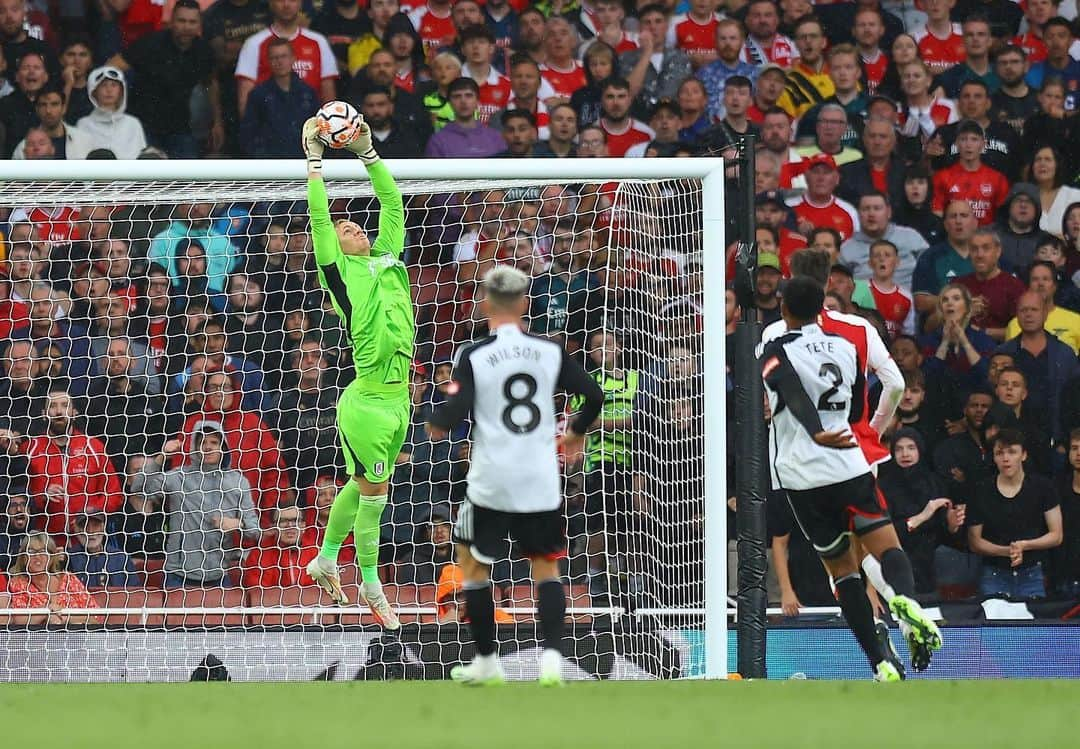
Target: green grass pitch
<point>590,715</point>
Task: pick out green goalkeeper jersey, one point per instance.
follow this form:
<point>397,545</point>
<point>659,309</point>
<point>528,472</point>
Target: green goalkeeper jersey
<point>370,293</point>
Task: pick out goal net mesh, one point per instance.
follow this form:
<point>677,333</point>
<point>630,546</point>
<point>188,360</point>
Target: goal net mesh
<point>147,322</point>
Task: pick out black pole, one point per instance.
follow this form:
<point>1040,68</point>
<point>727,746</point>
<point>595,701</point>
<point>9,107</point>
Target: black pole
<point>749,436</point>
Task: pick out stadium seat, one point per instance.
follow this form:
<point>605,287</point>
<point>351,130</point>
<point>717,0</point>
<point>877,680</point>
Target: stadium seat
<point>291,597</point>
<point>204,598</point>
<point>154,569</point>
<point>125,598</point>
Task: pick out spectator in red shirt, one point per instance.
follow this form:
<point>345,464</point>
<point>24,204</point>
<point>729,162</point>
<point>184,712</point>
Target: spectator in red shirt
<point>622,130</point>
<point>282,555</point>
<point>434,24</point>
<point>38,581</point>
<point>478,46</point>
<point>994,293</point>
<point>252,447</point>
<point>941,42</point>
<point>819,205</point>
<point>560,69</point>
<point>969,178</point>
<point>69,471</point>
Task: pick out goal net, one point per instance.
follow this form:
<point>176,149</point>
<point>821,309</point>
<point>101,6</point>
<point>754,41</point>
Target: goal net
<point>171,368</point>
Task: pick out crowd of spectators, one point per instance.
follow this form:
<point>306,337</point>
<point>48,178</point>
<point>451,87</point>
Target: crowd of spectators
<point>169,372</point>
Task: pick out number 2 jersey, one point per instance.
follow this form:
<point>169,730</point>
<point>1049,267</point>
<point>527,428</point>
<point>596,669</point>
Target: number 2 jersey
<point>874,358</point>
<point>814,383</point>
<point>507,382</point>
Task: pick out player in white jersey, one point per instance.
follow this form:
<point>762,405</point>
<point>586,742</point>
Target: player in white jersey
<point>507,383</point>
<point>874,358</point>
<point>815,386</point>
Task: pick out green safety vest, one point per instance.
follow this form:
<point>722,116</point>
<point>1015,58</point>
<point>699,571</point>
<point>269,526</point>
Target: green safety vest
<point>611,445</point>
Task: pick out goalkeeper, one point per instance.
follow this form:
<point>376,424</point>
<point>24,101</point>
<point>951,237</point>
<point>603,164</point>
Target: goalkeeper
<point>369,288</point>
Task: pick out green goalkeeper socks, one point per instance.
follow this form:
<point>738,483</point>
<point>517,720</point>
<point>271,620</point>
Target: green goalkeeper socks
<point>342,517</point>
<point>366,533</point>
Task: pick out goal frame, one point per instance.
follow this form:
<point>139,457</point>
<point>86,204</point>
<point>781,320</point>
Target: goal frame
<point>711,172</point>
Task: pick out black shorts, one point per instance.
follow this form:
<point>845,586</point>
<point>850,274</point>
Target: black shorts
<point>829,514</point>
<point>537,535</point>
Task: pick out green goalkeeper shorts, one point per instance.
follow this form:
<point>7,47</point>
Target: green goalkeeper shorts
<point>372,423</point>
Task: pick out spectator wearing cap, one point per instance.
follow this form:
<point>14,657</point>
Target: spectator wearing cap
<point>651,81</point>
<point>768,88</point>
<point>969,178</point>
<point>846,73</point>
<point>168,65</point>
<point>730,40</point>
<point>277,107</point>
<point>994,291</point>
<point>17,113</point>
<point>96,557</point>
<point>68,142</point>
<point>519,132</point>
<point>478,47</point>
<point>1018,225</point>
<point>808,79</point>
<point>1001,149</point>
<point>976,64</point>
<point>819,206</point>
<point>433,550</point>
<point>875,223</point>
<point>283,553</point>
<point>69,471</point>
<point>767,287</point>
<point>14,524</point>
<point>623,131</point>
<point>727,132</point>
<point>466,136</point>
<point>108,126</point>
<point>881,169</point>
<point>209,506</point>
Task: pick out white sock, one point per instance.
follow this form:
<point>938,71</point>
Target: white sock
<point>373,588</point>
<point>872,568</point>
<point>491,660</point>
<point>550,660</point>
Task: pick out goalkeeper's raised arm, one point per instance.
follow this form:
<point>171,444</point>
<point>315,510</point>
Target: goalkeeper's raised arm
<point>369,289</point>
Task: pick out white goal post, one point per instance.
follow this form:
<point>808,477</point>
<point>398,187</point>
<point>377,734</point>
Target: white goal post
<point>662,212</point>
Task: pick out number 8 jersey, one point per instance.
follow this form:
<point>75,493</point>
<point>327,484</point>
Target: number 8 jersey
<point>507,381</point>
<point>814,383</point>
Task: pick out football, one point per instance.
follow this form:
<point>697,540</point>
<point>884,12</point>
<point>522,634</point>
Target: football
<point>339,123</point>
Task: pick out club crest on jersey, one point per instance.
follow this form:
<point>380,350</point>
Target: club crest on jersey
<point>986,189</point>
<point>379,467</point>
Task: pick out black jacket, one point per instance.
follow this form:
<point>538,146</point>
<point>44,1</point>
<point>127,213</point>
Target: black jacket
<point>855,180</point>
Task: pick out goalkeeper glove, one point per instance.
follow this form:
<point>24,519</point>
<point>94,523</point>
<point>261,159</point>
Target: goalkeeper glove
<point>313,147</point>
<point>362,147</point>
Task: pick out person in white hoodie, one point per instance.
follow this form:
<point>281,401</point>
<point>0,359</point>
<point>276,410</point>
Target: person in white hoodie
<point>108,126</point>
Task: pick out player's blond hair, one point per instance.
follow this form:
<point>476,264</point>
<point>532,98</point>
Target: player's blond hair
<point>505,285</point>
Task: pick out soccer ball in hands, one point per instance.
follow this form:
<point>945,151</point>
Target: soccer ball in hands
<point>339,123</point>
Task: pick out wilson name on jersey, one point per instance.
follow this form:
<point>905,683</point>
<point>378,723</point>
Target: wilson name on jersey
<point>814,383</point>
<point>507,382</point>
